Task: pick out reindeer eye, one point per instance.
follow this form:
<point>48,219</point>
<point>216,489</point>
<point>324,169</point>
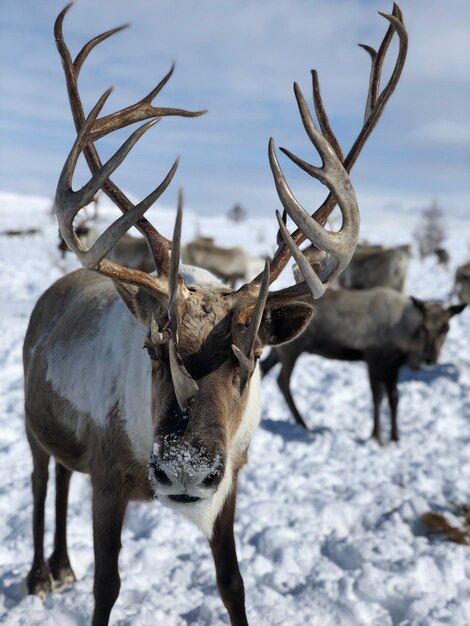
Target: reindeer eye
<point>151,352</point>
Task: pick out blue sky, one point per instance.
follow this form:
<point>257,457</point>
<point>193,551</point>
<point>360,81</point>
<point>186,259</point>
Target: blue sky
<point>238,58</point>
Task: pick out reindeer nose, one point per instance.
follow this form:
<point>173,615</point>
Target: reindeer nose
<point>159,474</point>
<point>188,479</point>
<point>214,477</point>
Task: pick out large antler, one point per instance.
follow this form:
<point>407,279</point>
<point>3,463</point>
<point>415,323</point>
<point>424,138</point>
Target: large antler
<point>68,203</point>
<point>139,111</point>
<point>333,174</point>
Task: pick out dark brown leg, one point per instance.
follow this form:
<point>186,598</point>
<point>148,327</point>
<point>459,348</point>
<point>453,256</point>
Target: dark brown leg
<point>229,580</point>
<point>393,396</point>
<point>283,380</point>
<point>376,385</point>
<point>59,563</point>
<point>109,507</point>
<point>38,580</point>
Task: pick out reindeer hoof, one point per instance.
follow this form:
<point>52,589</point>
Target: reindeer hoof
<point>378,439</point>
<point>39,582</point>
<point>62,575</point>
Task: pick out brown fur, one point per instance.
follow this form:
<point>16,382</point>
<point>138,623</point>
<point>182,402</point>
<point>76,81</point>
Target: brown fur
<point>66,318</point>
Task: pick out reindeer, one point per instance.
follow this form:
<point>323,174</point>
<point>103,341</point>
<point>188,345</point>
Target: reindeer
<point>381,327</point>
<point>376,266</point>
<point>229,264</point>
<point>462,283</point>
<point>172,422</point>
<point>443,257</point>
<point>370,266</point>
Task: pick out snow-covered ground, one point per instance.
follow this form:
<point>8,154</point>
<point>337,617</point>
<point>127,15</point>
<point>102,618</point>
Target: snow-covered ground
<point>327,525</point>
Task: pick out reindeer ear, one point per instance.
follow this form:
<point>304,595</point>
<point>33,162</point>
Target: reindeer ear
<point>419,304</point>
<point>140,302</point>
<point>455,309</point>
<point>284,322</point>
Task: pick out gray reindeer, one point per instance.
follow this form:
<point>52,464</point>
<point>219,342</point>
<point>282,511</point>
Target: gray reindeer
<point>379,326</point>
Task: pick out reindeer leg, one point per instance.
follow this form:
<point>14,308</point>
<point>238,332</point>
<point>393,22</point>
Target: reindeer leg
<point>109,507</point>
<point>229,580</point>
<point>38,580</point>
<point>283,380</point>
<point>59,563</point>
<point>376,385</point>
<point>393,396</point>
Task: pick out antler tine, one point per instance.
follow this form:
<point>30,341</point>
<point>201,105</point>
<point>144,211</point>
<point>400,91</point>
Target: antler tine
<point>88,47</point>
<point>377,60</point>
<point>184,384</point>
<point>140,111</point>
<point>68,202</point>
<point>137,112</point>
<point>174,279</point>
<point>341,244</point>
<point>323,117</point>
<point>322,213</point>
<point>279,237</point>
<point>317,287</point>
<point>114,232</point>
<point>244,335</point>
<point>158,244</point>
<point>252,331</point>
<point>376,104</point>
<point>373,82</point>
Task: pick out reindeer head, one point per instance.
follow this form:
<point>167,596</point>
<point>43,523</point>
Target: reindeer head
<point>429,336</point>
<point>204,340</point>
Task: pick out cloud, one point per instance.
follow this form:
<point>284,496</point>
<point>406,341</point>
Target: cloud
<point>443,132</point>
<point>239,59</point>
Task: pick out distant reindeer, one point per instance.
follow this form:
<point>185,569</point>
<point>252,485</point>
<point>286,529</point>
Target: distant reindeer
<point>86,234</point>
<point>228,264</point>
<point>443,257</point>
<point>20,232</point>
<point>173,423</point>
<point>376,266</point>
<point>370,266</point>
<point>462,283</point>
<point>133,252</point>
<point>381,327</point>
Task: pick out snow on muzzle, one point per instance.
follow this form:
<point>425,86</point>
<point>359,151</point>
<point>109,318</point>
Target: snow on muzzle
<point>184,473</point>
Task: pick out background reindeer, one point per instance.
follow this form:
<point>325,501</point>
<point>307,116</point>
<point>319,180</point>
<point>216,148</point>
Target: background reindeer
<point>462,283</point>
<point>228,264</point>
<point>381,327</point>
<point>370,266</point>
<point>376,266</point>
<point>174,423</point>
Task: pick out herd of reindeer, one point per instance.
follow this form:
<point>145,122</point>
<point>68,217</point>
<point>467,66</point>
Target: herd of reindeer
<point>174,422</point>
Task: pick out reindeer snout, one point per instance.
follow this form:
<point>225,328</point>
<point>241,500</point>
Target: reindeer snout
<point>185,475</point>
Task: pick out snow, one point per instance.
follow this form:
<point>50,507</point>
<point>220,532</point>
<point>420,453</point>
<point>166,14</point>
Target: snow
<point>327,525</point>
